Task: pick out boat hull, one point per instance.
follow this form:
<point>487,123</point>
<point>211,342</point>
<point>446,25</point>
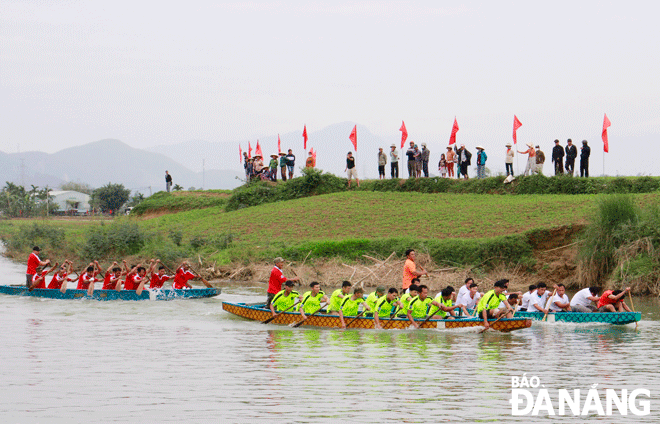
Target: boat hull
<point>162,294</point>
<point>259,313</point>
<point>617,318</point>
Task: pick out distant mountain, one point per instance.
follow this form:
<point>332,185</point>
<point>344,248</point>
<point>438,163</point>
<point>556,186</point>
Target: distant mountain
<point>106,161</point>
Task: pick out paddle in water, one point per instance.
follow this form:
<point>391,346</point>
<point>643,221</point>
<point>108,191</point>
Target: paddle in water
<point>278,314</point>
<point>299,323</point>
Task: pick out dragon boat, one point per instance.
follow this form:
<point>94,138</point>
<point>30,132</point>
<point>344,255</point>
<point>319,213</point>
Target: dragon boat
<point>258,312</point>
<point>147,294</point>
<point>618,318</point>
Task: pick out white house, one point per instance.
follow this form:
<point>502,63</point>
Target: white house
<point>70,200</point>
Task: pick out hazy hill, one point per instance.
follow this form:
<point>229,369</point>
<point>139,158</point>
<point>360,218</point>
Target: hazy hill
<point>106,161</point>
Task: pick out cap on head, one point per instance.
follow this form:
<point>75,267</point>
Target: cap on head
<point>501,283</point>
<point>288,283</point>
<point>380,289</point>
<point>278,260</point>
<point>36,248</point>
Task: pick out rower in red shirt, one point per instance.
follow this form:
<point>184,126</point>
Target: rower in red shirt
<point>111,280</point>
<point>183,275</point>
<point>88,278</point>
<point>39,279</point>
<point>136,278</point>
<point>61,277</point>
<point>159,278</point>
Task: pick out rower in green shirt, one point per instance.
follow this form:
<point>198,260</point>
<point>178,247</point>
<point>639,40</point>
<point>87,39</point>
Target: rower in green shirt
<point>445,298</point>
<point>351,304</point>
<point>311,300</point>
<point>285,298</point>
<point>384,306</point>
<point>337,296</point>
<point>419,305</point>
<point>413,291</point>
<point>488,305</point>
<point>374,296</point>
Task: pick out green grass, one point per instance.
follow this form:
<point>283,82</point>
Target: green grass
<point>181,201</point>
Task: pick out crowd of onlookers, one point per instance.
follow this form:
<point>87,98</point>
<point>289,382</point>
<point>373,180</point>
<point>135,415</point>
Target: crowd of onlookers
<point>455,162</point>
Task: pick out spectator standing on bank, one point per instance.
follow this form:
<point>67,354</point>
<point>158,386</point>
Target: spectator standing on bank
<point>508,161</point>
<point>481,162</point>
<point>531,160</point>
<point>540,160</point>
<point>410,153</point>
<point>451,160</point>
<point>351,170</point>
<point>382,161</point>
<point>283,165</point>
<point>464,161</point>
<point>168,181</point>
<point>571,154</point>
<point>426,155</point>
<point>442,166</point>
<point>418,162</point>
<point>585,151</point>
<point>394,161</point>
<point>310,162</point>
<point>290,162</point>
<point>558,158</point>
<point>272,167</point>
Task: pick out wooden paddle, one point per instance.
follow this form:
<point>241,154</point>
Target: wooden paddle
<point>356,317</point>
<point>490,325</point>
<point>278,314</point>
<point>299,323</point>
<point>632,306</point>
<point>547,305</point>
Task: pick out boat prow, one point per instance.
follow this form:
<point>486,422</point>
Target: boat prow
<point>147,294</point>
<point>258,312</point>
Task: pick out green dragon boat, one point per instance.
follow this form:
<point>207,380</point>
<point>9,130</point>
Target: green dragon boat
<point>147,294</point>
<point>617,318</point>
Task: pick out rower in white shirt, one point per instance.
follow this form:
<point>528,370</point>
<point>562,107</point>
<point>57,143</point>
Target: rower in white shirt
<point>471,297</point>
<point>538,299</point>
<point>560,302</point>
<point>526,297</point>
<point>465,288</point>
<point>581,302</point>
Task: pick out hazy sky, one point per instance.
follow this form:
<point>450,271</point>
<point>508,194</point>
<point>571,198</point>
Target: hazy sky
<point>151,73</point>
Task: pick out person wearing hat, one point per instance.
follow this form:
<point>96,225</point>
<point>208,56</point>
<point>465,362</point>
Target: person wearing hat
<point>285,298</point>
<point>394,161</point>
<point>310,162</point>
<point>351,170</point>
<point>373,297</point>
<point>276,280</point>
<point>426,155</point>
<point>258,164</point>
<point>283,165</point>
<point>571,154</point>
<point>273,167</point>
<point>481,162</point>
<point>531,159</point>
<point>418,161</point>
<point>488,306</point>
<point>33,263</point>
<point>290,159</point>
<point>540,160</point>
<point>585,151</point>
<point>508,160</point>
<point>451,160</point>
<point>382,161</point>
<point>558,158</point>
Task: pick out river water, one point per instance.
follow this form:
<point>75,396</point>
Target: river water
<point>189,361</point>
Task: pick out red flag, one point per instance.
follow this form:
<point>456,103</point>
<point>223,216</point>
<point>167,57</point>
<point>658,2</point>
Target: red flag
<point>313,155</point>
<point>454,130</point>
<point>257,151</point>
<point>249,150</point>
<point>404,133</point>
<point>353,137</point>
<point>606,144</point>
<point>279,144</point>
<point>305,137</point>
<point>516,125</point>
<point>240,154</point>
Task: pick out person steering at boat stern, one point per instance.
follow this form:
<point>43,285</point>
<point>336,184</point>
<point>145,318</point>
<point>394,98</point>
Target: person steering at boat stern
<point>276,280</point>
<point>419,305</point>
<point>488,306</point>
<point>32,263</point>
<point>351,304</point>
<point>285,298</point>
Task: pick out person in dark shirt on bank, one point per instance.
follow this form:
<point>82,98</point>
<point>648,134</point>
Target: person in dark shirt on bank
<point>585,151</point>
<point>571,154</point>
<point>558,158</point>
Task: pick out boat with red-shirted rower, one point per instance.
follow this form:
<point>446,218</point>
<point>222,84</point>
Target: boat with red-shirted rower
<point>147,294</point>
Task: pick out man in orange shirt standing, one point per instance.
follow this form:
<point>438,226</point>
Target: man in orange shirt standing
<point>410,269</point>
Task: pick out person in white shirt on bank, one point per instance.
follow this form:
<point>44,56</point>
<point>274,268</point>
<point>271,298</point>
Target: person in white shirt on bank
<point>524,305</point>
<point>560,302</point>
<point>581,302</point>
